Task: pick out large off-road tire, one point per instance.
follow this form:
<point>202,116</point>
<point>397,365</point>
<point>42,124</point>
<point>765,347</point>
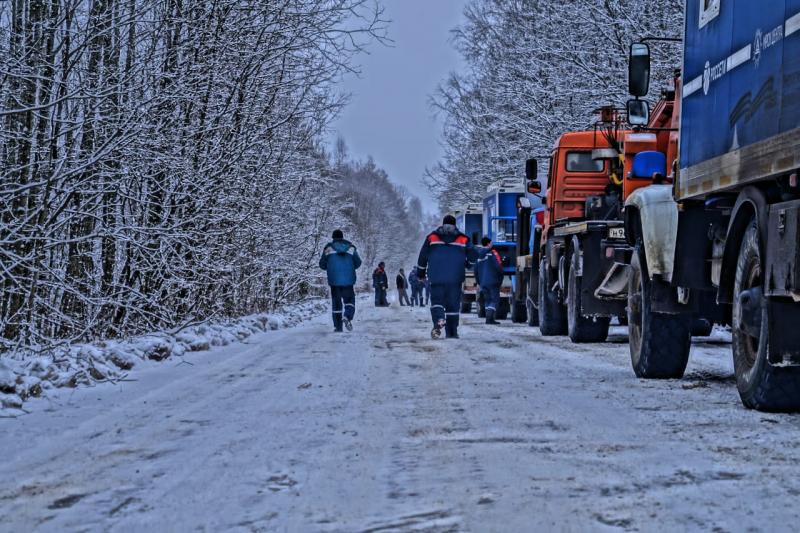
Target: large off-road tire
<point>519,312</point>
<point>761,386</point>
<point>481,307</point>
<point>579,327</point>
<point>552,318</point>
<point>702,327</point>
<point>659,343</point>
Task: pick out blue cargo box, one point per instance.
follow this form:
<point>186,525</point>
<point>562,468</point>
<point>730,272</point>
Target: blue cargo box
<point>740,117</point>
<point>471,224</point>
<point>500,224</point>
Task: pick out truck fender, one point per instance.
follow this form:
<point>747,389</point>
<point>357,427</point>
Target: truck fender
<point>750,204</point>
<point>657,215</point>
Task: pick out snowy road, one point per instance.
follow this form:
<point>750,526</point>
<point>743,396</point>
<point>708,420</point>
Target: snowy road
<point>385,430</point>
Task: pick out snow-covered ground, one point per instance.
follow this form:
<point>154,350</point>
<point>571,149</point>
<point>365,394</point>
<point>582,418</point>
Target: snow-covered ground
<point>384,429</point>
<point>24,376</point>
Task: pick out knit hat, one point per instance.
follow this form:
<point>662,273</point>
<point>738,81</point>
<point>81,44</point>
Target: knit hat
<point>337,234</point>
<point>485,241</point>
<point>449,219</point>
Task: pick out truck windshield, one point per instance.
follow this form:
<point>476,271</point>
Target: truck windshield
<point>583,162</point>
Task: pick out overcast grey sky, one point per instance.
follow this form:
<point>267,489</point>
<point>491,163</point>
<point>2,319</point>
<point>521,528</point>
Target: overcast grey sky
<point>389,117</point>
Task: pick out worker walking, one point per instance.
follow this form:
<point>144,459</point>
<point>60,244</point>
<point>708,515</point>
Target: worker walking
<point>446,253</point>
<point>402,285</point>
<point>489,275</point>
<point>340,259</point>
<point>380,282</point>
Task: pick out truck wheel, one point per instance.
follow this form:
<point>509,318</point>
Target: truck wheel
<point>481,308</point>
<point>761,385</point>
<point>519,313</point>
<point>503,308</point>
<point>552,320</point>
<point>582,328</point>
<point>702,327</point>
<point>659,342</point>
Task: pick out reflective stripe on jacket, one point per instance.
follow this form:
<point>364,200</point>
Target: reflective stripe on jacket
<point>445,255</point>
<point>340,260</point>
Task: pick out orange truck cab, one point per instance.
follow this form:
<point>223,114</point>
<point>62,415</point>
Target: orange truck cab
<point>583,235</point>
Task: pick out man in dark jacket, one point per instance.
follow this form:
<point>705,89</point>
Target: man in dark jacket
<point>402,285</point>
<point>443,258</point>
<point>380,282</point>
<point>489,275</point>
<point>340,259</point>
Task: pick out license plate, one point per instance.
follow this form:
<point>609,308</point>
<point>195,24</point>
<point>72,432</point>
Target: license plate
<point>616,233</point>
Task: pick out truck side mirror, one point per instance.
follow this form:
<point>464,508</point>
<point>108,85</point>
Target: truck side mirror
<point>638,112</point>
<point>531,170</point>
<point>639,70</point>
<point>534,187</point>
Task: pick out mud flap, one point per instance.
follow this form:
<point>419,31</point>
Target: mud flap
<point>615,284</point>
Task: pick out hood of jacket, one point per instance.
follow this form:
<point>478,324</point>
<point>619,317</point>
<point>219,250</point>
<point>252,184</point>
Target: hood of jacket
<point>447,232</point>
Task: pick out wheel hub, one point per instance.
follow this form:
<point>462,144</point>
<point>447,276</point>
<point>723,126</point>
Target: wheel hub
<point>750,309</point>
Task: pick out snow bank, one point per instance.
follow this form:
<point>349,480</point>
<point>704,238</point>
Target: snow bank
<point>23,376</point>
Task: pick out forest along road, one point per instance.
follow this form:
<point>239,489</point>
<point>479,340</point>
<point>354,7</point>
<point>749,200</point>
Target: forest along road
<point>383,429</point>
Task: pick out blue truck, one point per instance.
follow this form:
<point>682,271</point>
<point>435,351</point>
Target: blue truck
<point>726,223</point>
<point>500,225</point>
<point>469,219</point>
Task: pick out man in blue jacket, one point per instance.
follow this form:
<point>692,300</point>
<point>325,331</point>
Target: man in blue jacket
<point>443,259</point>
<point>340,259</point>
<point>489,275</point>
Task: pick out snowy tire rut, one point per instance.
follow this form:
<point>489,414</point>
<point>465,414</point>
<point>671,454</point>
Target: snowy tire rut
<point>384,430</point>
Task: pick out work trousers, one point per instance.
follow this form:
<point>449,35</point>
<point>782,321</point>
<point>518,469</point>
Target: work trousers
<point>402,295</point>
<point>416,296</point>
<point>491,300</point>
<point>446,306</point>
<point>491,297</point>
<point>380,297</point>
<point>344,304</point>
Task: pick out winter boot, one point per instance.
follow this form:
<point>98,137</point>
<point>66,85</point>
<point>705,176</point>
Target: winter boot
<point>337,322</point>
<point>490,317</point>
<point>348,324</point>
<point>436,332</point>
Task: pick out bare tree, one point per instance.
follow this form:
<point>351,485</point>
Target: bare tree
<point>161,160</point>
<point>536,68</point>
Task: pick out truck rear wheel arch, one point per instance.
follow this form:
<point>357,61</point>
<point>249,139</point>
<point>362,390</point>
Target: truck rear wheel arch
<point>750,205</point>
